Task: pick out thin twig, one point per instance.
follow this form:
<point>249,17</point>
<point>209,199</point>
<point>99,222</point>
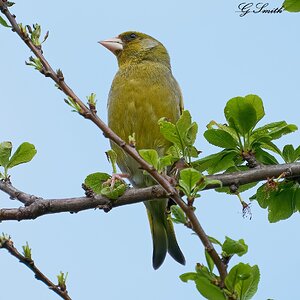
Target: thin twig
<point>9,246</point>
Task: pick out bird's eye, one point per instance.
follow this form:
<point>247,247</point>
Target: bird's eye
<point>132,36</point>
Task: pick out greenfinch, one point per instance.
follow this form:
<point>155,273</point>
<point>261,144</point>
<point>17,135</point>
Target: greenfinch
<point>143,91</point>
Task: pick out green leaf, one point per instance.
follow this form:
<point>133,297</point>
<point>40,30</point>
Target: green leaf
<point>220,138</point>
<point>265,157</point>
<point>281,205</point>
<point>203,280</point>
<point>297,198</point>
<point>268,145</point>
<point>257,104</point>
<point>112,157</point>
<point>243,280</point>
<point>209,261</point>
<point>243,113</point>
<point>268,128</point>
<point>214,241</point>
<point>114,192</point>
<point>168,130</point>
<point>3,22</point>
<point>231,247</point>
<point>191,134</point>
<point>188,180</point>
<point>188,276</point>
<point>150,156</point>
<point>224,163</point>
<point>5,152</point>
<point>182,134</point>
<point>262,196</point>
<point>208,290</point>
<point>297,153</point>
<point>292,5</point>
<point>204,163</point>
<point>179,215</point>
<point>23,154</point>
<point>288,128</point>
<point>186,129</point>
<point>288,154</point>
<point>94,181</point>
<point>165,161</point>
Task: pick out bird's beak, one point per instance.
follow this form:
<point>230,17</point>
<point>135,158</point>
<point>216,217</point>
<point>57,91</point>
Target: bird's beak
<point>113,44</point>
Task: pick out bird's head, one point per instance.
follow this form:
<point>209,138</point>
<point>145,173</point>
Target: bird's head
<point>135,47</point>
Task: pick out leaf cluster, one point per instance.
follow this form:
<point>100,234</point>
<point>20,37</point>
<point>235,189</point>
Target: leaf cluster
<point>240,138</point>
<point>182,135</point>
<point>24,154</point>
<point>241,282</point>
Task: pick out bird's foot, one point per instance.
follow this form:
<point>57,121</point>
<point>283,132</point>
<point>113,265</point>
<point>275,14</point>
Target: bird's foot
<point>115,177</point>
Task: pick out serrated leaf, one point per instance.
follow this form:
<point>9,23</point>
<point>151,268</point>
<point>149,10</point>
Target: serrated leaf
<point>292,5</point>
<point>243,113</point>
<point>289,128</point>
<point>268,145</point>
<point>288,154</point>
<point>150,156</point>
<point>3,22</point>
<point>208,290</point>
<point>114,192</point>
<point>269,127</point>
<point>265,157</point>
<point>23,154</point>
<point>179,215</point>
<point>281,205</point>
<point>189,177</point>
<point>112,156</point>
<point>165,161</point>
<point>209,261</point>
<point>188,276</point>
<point>204,163</point>
<point>231,247</point>
<point>94,181</point>
<point>297,198</point>
<point>243,280</point>
<point>183,125</point>
<point>214,240</point>
<point>257,103</point>
<point>182,134</point>
<point>262,196</point>
<point>297,153</point>
<point>224,163</point>
<point>220,138</point>
<point>191,134</point>
<point>5,152</point>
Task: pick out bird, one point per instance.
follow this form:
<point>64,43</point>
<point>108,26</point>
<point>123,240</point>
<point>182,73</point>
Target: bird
<point>143,91</point>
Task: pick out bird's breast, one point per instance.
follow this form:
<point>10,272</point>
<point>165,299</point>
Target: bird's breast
<point>138,98</point>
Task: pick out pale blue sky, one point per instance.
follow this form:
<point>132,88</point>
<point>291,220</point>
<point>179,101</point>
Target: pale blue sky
<point>216,55</point>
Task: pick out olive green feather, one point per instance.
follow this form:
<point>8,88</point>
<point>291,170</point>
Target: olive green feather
<point>143,91</point>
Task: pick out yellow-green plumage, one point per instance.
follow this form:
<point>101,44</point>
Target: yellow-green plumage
<point>143,91</point>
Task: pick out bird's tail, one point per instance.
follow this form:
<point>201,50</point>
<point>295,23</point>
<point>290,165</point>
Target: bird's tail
<point>163,234</point>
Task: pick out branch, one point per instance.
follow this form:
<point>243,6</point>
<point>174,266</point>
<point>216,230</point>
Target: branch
<point>8,244</point>
<point>36,206</point>
<point>40,207</point>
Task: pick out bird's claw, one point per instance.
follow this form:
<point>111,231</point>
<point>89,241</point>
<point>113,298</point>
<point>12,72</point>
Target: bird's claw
<point>114,177</point>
